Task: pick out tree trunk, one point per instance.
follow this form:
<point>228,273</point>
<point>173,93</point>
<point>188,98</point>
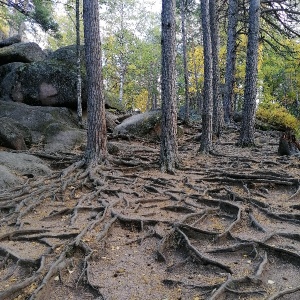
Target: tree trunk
<point>168,148</point>
<point>78,65</point>
<point>206,137</point>
<point>250,93</point>
<point>121,91</point>
<point>184,57</point>
<point>230,60</point>
<point>96,150</point>
<point>218,118</point>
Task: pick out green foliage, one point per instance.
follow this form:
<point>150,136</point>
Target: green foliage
<point>131,53</point>
<point>280,76</point>
<point>43,15</point>
<point>278,116</point>
<point>4,26</point>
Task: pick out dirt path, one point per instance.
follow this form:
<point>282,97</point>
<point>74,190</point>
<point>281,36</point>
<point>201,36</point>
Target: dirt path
<point>226,226</point>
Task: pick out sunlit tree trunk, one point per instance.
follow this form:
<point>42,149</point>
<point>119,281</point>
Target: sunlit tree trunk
<point>218,118</point>
<point>206,137</point>
<point>168,148</point>
<point>230,60</point>
<point>250,93</point>
<point>96,150</point>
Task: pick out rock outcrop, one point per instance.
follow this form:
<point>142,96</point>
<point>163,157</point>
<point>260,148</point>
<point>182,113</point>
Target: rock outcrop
<point>21,52</point>
<point>14,135</point>
<point>16,168</point>
<point>37,80</point>
<point>55,128</point>
<point>141,124</point>
<point>10,41</point>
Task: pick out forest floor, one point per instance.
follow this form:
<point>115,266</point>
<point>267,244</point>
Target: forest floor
<point>225,226</point>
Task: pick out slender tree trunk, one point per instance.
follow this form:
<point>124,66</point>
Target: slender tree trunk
<point>218,118</point>
<point>168,148</point>
<point>250,92</point>
<point>230,60</point>
<point>78,65</point>
<point>121,91</point>
<point>96,150</point>
<point>184,57</point>
<point>206,137</point>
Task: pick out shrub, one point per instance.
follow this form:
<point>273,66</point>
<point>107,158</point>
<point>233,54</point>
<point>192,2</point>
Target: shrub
<point>278,116</point>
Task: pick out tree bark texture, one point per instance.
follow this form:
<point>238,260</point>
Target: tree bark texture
<point>184,57</point>
<point>168,148</point>
<point>206,137</point>
<point>218,118</point>
<point>250,92</point>
<point>78,64</point>
<point>96,150</point>
<point>230,60</point>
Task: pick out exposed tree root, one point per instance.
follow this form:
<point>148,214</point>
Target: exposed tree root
<point>201,256</point>
<point>219,216</point>
<point>284,292</point>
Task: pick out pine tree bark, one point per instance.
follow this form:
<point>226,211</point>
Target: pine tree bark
<point>168,148</point>
<point>184,57</point>
<point>230,60</point>
<point>218,119</point>
<point>250,92</point>
<point>96,150</point>
<point>206,137</point>
<point>78,65</point>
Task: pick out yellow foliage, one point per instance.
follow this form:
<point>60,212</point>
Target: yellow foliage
<point>140,100</point>
<point>277,115</point>
<point>195,68</point>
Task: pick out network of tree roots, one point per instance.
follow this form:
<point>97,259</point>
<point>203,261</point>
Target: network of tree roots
<point>225,226</point>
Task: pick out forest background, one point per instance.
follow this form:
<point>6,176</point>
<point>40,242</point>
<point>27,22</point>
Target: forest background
<point>131,51</point>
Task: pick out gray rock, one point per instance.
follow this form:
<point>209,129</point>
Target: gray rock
<point>140,125</point>
<point>21,52</point>
<point>54,127</point>
<point>13,134</point>
<point>10,41</point>
<point>43,83</point>
<point>65,140</point>
<point>15,168</point>
<point>68,54</point>
<point>9,79</point>
<point>8,179</point>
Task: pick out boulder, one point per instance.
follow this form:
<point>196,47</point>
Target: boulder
<point>140,124</point>
<point>16,168</point>
<point>10,41</point>
<point>51,82</point>
<point>111,121</point>
<point>21,52</point>
<point>14,135</point>
<point>68,54</point>
<point>44,83</point>
<point>62,139</point>
<point>53,127</point>
<point>9,79</point>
